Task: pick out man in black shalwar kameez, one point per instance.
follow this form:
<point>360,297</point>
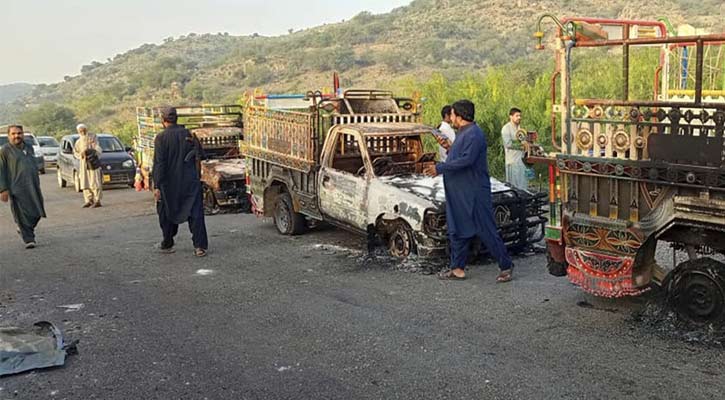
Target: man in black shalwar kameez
<point>178,187</point>
<point>19,184</point>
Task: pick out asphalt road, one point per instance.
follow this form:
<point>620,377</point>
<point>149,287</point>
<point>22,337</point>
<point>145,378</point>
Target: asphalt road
<point>304,317</point>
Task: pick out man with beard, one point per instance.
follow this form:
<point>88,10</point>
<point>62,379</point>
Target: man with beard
<point>20,185</point>
<point>178,187</point>
<point>469,204</point>
<point>84,149</point>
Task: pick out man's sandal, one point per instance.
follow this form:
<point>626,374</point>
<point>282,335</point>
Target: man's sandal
<point>199,252</point>
<point>450,276</point>
<point>504,276</point>
<point>165,250</point>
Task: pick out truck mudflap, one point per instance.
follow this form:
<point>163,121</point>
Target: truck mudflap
<point>602,274</point>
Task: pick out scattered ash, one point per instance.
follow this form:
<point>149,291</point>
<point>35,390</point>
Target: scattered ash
<point>381,259</point>
<point>658,318</point>
<point>332,249</point>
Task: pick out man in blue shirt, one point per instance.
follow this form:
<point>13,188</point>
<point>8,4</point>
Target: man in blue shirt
<point>469,205</point>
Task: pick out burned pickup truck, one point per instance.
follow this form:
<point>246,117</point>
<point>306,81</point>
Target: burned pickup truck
<point>219,130</point>
<point>356,161</point>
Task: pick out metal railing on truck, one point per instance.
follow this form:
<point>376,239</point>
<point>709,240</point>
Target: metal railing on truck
<point>290,138</point>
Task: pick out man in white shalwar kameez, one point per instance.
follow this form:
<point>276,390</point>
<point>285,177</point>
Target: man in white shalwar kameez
<point>515,167</point>
<point>90,179</point>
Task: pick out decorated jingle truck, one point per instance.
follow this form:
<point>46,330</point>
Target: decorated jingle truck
<point>219,130</point>
<point>355,160</point>
<point>629,173</point>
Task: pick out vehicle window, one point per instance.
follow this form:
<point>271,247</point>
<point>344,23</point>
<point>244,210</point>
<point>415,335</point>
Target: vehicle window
<point>47,142</point>
<point>110,144</point>
<point>3,140</point>
<point>347,155</point>
<point>31,140</point>
<point>392,155</point>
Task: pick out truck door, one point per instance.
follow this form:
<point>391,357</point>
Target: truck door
<point>65,160</point>
<point>344,179</point>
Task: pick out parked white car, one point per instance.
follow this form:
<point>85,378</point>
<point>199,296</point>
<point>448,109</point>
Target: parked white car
<point>30,140</point>
<point>49,148</point>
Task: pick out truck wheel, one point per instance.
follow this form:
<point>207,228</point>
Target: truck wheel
<point>287,221</point>
<point>696,290</point>
<point>401,242</point>
<point>61,182</point>
<point>211,207</point>
<point>555,268</point>
<point>77,182</point>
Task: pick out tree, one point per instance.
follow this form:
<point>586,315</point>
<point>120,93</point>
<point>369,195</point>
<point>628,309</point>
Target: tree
<point>50,119</point>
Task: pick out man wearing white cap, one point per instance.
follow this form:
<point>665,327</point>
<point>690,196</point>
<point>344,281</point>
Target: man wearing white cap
<point>88,151</point>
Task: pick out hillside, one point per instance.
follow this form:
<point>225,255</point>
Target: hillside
<point>10,106</point>
<point>451,37</point>
<point>13,91</point>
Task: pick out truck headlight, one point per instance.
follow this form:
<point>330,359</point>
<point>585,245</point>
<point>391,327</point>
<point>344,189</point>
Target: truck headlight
<point>128,164</point>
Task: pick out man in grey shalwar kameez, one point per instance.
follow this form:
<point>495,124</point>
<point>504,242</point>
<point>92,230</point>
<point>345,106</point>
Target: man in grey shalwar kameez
<point>90,179</point>
<point>515,167</point>
<point>20,185</point>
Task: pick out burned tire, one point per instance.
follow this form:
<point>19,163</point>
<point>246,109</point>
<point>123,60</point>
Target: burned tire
<point>401,242</point>
<point>286,220</point>
<point>696,291</point>
<point>555,268</point>
<point>211,206</point>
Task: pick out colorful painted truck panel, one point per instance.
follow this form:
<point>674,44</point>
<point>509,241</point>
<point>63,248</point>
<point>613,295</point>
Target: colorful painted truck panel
<point>628,173</point>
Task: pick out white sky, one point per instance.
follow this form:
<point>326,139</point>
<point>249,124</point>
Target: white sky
<point>44,40</point>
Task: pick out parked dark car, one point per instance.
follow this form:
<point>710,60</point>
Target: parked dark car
<point>117,166</point>
<point>30,141</point>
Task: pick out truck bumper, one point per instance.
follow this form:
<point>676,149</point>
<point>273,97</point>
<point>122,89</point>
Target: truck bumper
<point>430,246</point>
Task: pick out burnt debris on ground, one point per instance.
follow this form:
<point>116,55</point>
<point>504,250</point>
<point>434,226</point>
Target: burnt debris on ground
<point>659,318</point>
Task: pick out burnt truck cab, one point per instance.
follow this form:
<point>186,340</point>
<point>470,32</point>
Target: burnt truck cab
<point>223,172</point>
<point>364,172</point>
<point>371,179</point>
<point>356,162</point>
<point>219,129</point>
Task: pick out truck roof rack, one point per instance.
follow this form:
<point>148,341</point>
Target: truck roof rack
<point>367,94</point>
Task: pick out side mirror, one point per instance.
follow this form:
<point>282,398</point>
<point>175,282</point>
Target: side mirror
<point>129,149</point>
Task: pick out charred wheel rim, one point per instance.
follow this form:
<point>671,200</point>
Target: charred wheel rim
<point>211,206</point>
<point>282,216</point>
<point>698,296</point>
<point>400,242</point>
